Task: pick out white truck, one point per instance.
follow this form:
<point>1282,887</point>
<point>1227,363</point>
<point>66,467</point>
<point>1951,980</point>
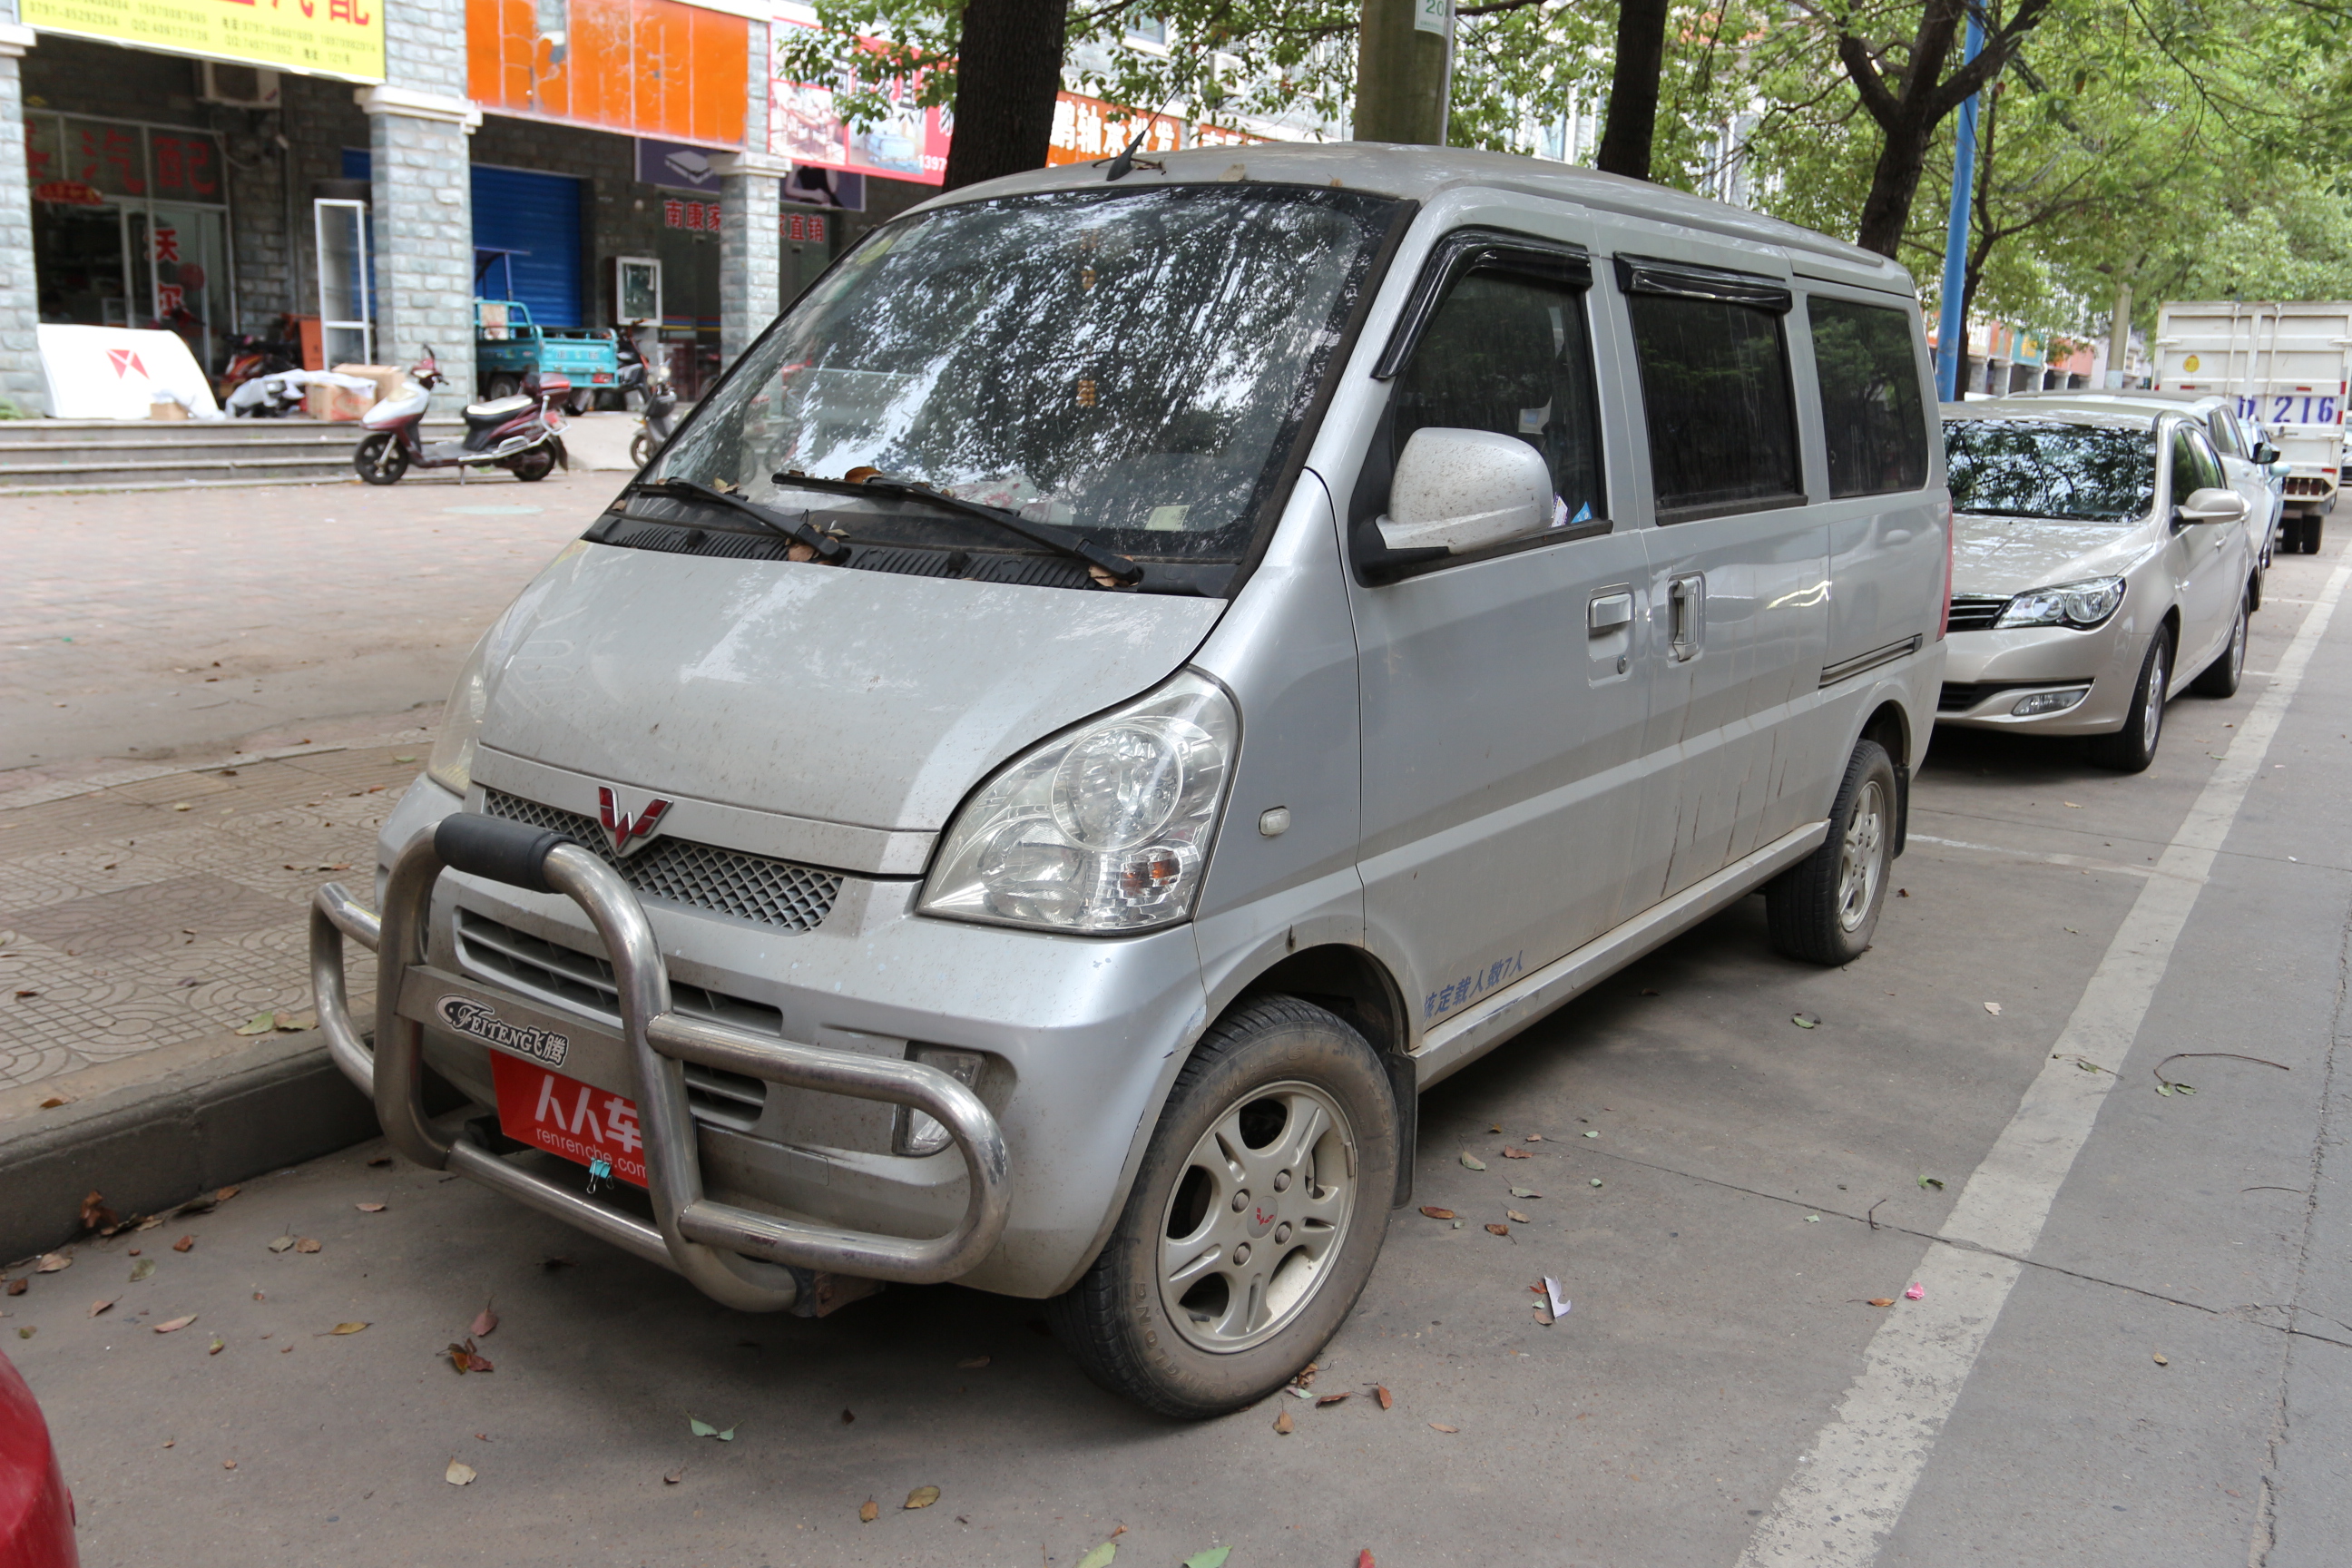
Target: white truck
<point>2289,365</point>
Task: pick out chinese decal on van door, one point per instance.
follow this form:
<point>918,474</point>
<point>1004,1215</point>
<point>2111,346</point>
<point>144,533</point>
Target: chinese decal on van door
<point>1472,987</point>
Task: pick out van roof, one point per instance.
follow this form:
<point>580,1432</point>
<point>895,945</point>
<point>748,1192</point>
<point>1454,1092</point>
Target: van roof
<point>1422,173</point>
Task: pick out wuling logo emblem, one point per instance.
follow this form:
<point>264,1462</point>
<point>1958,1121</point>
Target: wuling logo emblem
<point>628,833</point>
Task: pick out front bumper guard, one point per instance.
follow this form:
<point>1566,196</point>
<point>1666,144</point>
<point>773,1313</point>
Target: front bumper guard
<point>740,1257</point>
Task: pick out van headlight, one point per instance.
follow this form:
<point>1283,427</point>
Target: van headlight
<point>1104,830</point>
<point>2081,605</point>
<point>451,766</point>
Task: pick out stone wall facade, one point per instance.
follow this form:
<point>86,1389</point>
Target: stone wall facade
<point>22,388</point>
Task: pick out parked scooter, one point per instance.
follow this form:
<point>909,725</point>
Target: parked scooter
<point>519,434</point>
<point>661,401</point>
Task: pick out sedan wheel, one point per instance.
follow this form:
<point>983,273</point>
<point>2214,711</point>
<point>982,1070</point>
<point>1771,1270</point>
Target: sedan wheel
<point>2132,748</point>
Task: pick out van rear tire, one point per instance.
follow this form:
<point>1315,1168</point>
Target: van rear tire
<point>1824,909</point>
<point>1286,1111</point>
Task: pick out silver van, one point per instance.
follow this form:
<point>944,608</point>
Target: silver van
<point>1134,674</point>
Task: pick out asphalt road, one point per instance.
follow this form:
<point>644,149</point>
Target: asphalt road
<point>2133,1344</point>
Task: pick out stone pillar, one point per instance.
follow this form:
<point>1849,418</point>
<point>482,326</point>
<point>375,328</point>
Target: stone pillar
<point>750,252</point>
<point>21,382</point>
<point>423,213</point>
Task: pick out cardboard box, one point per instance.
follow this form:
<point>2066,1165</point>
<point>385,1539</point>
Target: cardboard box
<point>164,409</point>
<point>388,380</point>
<point>344,403</point>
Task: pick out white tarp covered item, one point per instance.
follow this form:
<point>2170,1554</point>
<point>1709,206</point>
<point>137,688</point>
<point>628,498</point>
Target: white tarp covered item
<point>121,373</point>
<point>277,392</point>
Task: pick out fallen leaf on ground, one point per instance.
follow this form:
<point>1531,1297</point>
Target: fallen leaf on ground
<point>1935,1182</point>
<point>1215,1557</point>
<point>1804,1020</point>
<point>176,1323</point>
<point>261,1023</point>
<point>1435,1213</point>
<point>464,1358</point>
<point>847,1417</point>
<point>2070,806</point>
<point>18,1287</point>
<point>1334,1399</point>
<point>218,1345</point>
<point>674,1476</point>
<point>282,1244</point>
<point>1812,1219</point>
<point>26,1334</point>
<point>921,1497</point>
<point>228,1464</point>
<point>458,1474</point>
<point>705,1429</point>
<point>380,1161</point>
<point>1916,1292</point>
<point>1364,1559</point>
<point>347,1327</point>
<point>869,1511</point>
<point>1525,1193</point>
<point>56,1100</point>
<point>369,1209</point>
<point>2160,1360</point>
<point>1882,1300</point>
<point>306,1245</point>
<point>95,1215</point>
<point>1472,1161</point>
<point>1100,1556</point>
<point>1380,1391</point>
<point>52,1261</point>
<point>1593,1134</point>
<point>1596,1181</point>
<point>1535,1137</point>
<point>97,1307</point>
<point>1517,1218</point>
<point>1282,1422</point>
<point>1511,1153</point>
<point>1298,1391</point>
<point>1441,1427</point>
<point>142,1270</point>
<point>1993,1008</point>
<point>1498,1230</point>
<point>184,1243</point>
<point>972,1364</point>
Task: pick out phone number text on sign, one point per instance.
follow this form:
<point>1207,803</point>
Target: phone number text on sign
<point>563,1116</point>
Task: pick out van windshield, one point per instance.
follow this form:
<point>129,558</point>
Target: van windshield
<point>1133,366</point>
<point>2047,468</point>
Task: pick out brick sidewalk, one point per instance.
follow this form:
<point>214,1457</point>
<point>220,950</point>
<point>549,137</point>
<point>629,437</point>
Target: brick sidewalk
<point>149,906</point>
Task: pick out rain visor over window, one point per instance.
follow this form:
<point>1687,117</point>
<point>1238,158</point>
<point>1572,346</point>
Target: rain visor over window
<point>1134,365</point>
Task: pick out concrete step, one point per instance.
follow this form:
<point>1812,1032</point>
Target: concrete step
<point>44,455</point>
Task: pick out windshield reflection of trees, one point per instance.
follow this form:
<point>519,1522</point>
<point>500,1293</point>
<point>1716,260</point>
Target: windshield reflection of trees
<point>2031,467</point>
<point>1129,364</point>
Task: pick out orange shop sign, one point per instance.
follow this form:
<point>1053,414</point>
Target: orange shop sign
<point>652,67</point>
<point>70,192</point>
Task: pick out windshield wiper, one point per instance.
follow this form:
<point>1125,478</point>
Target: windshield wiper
<point>1110,563</point>
<point>829,550</point>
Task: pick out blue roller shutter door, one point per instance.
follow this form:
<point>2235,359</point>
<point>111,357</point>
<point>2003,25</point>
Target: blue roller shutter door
<point>538,216</point>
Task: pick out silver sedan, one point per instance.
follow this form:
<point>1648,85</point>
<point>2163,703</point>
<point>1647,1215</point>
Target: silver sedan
<point>2100,566</point>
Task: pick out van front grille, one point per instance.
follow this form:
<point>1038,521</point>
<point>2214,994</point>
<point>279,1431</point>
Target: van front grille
<point>585,981</point>
<point>1975,612</point>
<point>728,882</point>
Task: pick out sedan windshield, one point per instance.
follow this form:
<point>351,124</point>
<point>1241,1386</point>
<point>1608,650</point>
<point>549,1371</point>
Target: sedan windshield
<point>2047,468</point>
<point>1132,366</point>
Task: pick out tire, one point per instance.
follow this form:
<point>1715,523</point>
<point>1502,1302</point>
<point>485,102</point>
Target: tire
<point>2221,678</point>
<point>381,458</point>
<point>2311,527</point>
<point>533,465</point>
<point>2130,748</point>
<point>502,386</point>
<point>641,449</point>
<point>1219,1345</point>
<point>1825,909</point>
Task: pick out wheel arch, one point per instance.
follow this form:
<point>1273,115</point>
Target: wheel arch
<point>1351,983</point>
<point>1889,724</point>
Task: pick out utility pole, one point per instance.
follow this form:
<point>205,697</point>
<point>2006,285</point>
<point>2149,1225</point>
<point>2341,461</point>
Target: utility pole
<point>1404,66</point>
<point>1951,332</point>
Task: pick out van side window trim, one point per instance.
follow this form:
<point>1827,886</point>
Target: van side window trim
<point>1467,250</point>
<point>1643,275</point>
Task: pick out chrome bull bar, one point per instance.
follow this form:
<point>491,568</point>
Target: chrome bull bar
<point>737,1256</point>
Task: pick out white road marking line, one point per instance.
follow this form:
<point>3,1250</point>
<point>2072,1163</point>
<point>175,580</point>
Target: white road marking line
<point>2082,861</point>
<point>1853,1483</point>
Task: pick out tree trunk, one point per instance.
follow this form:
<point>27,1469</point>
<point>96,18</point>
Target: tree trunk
<point>1894,183</point>
<point>1626,139</point>
<point>1008,71</point>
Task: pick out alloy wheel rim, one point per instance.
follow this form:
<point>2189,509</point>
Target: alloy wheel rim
<point>1859,857</point>
<point>2238,644</point>
<point>2151,718</point>
<point>1256,1217</point>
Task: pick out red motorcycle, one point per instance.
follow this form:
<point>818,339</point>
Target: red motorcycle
<point>519,434</point>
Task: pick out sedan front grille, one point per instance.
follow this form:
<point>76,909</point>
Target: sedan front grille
<point>728,882</point>
<point>1975,612</point>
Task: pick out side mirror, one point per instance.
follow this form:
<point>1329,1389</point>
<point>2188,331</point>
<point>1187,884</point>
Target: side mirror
<point>1460,490</point>
<point>2265,454</point>
<point>2212,506</point>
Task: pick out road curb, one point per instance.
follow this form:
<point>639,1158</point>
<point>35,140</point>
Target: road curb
<point>149,1145</point>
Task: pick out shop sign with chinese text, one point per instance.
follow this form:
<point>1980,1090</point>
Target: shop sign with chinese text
<point>340,39</point>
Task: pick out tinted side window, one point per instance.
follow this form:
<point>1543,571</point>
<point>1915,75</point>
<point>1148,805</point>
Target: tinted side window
<point>2209,467</point>
<point>1872,414</point>
<point>2194,467</point>
<point>1714,387</point>
<point>2226,434</point>
<point>1512,356</point>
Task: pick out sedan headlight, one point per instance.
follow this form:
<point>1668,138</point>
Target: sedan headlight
<point>2081,605</point>
<point>451,766</point>
<point>1104,830</point>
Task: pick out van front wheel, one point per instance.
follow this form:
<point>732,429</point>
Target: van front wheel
<point>1254,1222</point>
<point>1824,909</point>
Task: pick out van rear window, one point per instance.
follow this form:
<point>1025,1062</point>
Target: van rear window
<point>1875,423</point>
<point>1716,390</point>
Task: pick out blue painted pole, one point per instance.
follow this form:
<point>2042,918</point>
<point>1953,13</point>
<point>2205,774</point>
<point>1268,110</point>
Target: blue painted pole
<point>1951,332</point>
